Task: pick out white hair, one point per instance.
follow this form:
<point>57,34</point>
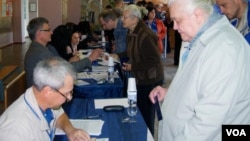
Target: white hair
<point>133,10</point>
<point>52,72</point>
<point>191,5</point>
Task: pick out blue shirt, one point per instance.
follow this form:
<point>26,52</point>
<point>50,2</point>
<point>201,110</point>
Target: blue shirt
<point>120,34</point>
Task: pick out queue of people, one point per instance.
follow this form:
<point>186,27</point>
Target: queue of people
<point>210,88</point>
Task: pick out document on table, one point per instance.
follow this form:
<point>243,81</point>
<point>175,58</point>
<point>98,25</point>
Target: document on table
<point>100,68</point>
<point>92,75</point>
<point>93,127</point>
<point>99,139</point>
<point>102,75</point>
<point>99,75</point>
<point>100,103</point>
<point>83,75</point>
<point>80,82</point>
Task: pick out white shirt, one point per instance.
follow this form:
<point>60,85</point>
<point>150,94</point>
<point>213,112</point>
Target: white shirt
<point>20,123</point>
<point>210,89</point>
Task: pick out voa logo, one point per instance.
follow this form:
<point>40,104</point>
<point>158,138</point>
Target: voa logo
<point>236,132</point>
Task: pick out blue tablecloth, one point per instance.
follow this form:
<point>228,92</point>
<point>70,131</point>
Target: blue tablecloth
<point>104,90</point>
<point>113,128</point>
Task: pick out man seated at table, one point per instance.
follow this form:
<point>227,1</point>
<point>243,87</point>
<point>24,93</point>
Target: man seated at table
<point>40,34</point>
<point>36,113</point>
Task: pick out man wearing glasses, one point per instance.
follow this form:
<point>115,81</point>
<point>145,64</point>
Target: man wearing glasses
<point>37,113</point>
<point>40,34</point>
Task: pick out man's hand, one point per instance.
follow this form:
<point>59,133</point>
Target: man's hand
<point>158,91</point>
<point>78,135</point>
<point>95,54</point>
<point>74,59</point>
<point>127,67</point>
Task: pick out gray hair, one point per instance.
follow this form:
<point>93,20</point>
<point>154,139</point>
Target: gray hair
<point>108,15</point>
<point>133,10</point>
<point>35,25</point>
<point>191,5</point>
<point>52,72</point>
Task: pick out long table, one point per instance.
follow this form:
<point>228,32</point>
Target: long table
<point>113,127</point>
<point>104,90</point>
<point>101,90</point>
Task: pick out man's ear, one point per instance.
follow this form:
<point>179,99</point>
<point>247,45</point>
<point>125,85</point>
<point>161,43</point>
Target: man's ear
<point>200,16</point>
<point>47,91</point>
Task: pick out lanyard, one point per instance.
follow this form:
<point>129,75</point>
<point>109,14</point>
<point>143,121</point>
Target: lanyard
<point>211,21</point>
<point>51,135</point>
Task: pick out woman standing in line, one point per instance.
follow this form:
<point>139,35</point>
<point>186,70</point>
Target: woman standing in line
<point>157,26</point>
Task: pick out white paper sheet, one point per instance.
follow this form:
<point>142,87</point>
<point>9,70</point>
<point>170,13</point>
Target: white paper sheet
<point>105,62</point>
<point>84,53</point>
<point>99,139</point>
<point>99,68</point>
<point>80,82</point>
<point>93,75</point>
<point>99,75</point>
<point>93,127</point>
<point>83,75</point>
<point>100,103</point>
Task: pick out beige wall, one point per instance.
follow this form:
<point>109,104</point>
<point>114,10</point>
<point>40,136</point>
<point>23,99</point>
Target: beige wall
<point>74,11</point>
<point>51,10</point>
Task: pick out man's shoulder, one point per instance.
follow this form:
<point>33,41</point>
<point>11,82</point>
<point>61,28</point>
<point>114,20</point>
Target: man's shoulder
<point>37,51</point>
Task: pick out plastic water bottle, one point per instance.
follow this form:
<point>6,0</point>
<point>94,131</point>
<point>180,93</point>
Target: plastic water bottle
<point>103,41</point>
<point>111,70</point>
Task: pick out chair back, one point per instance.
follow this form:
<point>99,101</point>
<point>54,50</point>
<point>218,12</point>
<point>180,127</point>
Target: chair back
<point>14,89</point>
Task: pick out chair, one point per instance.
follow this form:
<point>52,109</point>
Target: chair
<point>14,89</point>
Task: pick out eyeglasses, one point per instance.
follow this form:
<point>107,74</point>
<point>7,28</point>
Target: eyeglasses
<point>66,97</point>
<point>46,30</point>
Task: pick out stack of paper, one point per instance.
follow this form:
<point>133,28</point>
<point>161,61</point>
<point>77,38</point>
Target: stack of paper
<point>84,75</point>
<point>93,127</point>
<point>99,68</point>
<point>99,75</point>
<point>92,75</point>
<point>80,82</point>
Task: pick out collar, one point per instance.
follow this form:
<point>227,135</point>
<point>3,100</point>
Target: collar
<point>32,102</point>
<point>213,18</point>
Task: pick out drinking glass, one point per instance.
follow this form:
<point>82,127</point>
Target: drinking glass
<point>131,111</point>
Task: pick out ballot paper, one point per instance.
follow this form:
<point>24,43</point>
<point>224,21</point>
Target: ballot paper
<point>93,127</point>
<point>80,82</point>
<point>100,103</point>
<point>99,75</point>
<point>99,139</point>
<point>84,53</point>
<point>99,68</point>
<point>84,75</point>
<point>92,75</point>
